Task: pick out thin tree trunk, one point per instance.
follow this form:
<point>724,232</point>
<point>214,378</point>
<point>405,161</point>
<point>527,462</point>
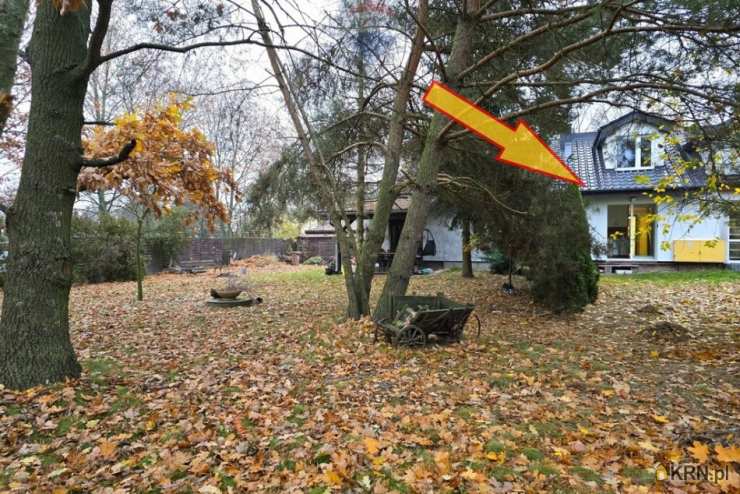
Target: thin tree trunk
<point>386,190</point>
<point>35,346</point>
<point>467,255</point>
<point>12,18</point>
<point>139,267</point>
<point>399,275</point>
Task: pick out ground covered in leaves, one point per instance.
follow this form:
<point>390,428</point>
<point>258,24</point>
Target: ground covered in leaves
<point>180,397</point>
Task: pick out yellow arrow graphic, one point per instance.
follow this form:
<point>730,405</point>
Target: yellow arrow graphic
<point>520,146</point>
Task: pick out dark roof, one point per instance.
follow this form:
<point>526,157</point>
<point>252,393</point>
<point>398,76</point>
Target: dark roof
<point>633,116</point>
<point>597,178</point>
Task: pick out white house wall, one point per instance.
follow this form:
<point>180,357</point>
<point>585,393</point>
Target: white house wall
<point>708,229</point>
<point>449,242</point>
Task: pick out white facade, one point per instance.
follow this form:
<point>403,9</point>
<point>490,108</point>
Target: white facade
<point>448,242</point>
<point>668,228</point>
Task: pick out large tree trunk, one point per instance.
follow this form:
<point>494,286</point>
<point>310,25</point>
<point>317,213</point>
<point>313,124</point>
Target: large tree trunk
<point>12,18</point>
<point>399,275</point>
<point>467,254</point>
<point>35,347</point>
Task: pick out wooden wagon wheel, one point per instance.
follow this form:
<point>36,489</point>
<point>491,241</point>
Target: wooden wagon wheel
<point>457,333</point>
<point>411,336</point>
<point>477,319</point>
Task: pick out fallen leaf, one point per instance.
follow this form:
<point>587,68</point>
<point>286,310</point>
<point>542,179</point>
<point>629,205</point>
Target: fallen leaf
<point>372,445</point>
<point>730,454</point>
<point>699,451</point>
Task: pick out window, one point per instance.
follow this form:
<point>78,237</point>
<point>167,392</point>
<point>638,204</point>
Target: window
<point>631,231</point>
<point>735,237</point>
<point>634,152</point>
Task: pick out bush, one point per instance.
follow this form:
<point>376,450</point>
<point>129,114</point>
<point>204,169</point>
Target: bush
<point>499,263</point>
<point>562,275</point>
<point>103,250</point>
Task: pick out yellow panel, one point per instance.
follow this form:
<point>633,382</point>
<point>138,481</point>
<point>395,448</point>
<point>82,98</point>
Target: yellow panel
<point>699,251</point>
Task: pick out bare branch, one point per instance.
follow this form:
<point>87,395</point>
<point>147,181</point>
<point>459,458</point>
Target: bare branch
<point>245,41</point>
<point>102,123</point>
<point>356,145</point>
<point>123,155</point>
<point>97,37</point>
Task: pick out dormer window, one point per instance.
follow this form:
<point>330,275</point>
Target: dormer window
<point>634,153</point>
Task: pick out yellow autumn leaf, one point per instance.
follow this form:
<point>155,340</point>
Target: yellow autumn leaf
<point>372,445</point>
<point>674,455</point>
<point>332,477</point>
<point>661,419</point>
<point>699,451</point>
<point>497,457</point>
<point>727,455</point>
<point>647,445</point>
<point>442,460</point>
<point>654,354</point>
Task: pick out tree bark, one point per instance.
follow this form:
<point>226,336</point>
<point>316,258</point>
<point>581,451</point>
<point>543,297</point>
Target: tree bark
<point>467,255</point>
<point>35,346</point>
<point>12,18</point>
<point>387,194</point>
<point>399,275</point>
<point>139,267</point>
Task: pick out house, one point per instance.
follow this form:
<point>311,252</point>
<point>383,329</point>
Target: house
<point>620,164</point>
<point>440,246</point>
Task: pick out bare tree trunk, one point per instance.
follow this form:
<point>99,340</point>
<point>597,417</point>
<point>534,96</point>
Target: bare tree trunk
<point>139,267</point>
<point>357,281</point>
<point>35,346</point>
<point>467,254</point>
<point>399,275</point>
<point>386,190</point>
<point>12,18</point>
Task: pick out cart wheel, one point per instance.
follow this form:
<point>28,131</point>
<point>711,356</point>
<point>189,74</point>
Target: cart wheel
<point>477,319</point>
<point>412,336</point>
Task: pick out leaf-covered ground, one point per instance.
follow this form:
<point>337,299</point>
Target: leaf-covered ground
<point>180,397</point>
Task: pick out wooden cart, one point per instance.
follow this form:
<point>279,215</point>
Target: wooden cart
<point>428,315</point>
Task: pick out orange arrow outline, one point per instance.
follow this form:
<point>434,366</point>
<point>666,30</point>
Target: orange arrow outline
<point>520,122</point>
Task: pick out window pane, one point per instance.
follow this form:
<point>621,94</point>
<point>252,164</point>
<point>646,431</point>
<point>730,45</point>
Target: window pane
<point>626,153</point>
<point>618,239</point>
<point>645,150</point>
<point>735,237</point>
<point>735,251</point>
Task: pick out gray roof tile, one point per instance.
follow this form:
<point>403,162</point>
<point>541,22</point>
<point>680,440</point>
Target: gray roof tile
<point>577,150</point>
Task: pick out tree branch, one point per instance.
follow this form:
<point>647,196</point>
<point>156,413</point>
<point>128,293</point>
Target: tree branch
<point>246,41</point>
<point>98,36</point>
<point>123,155</point>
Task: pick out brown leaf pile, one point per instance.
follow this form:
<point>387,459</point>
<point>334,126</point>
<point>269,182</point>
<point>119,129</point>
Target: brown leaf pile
<point>280,397</point>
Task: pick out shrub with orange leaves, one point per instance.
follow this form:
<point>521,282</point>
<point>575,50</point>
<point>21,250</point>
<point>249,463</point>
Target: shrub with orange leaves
<point>169,166</point>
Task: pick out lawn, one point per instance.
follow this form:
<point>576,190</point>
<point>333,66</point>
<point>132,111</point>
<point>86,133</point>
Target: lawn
<point>285,397</point>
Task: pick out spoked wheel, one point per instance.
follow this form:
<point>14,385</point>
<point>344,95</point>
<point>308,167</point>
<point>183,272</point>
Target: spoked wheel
<point>411,336</point>
<point>476,329</point>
